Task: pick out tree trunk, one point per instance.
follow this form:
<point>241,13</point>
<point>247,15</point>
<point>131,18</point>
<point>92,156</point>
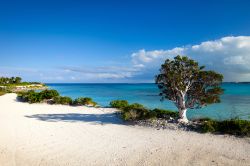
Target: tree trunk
<point>182,108</point>
<point>183,115</point>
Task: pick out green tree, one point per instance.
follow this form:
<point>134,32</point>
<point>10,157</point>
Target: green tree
<point>18,80</point>
<point>188,85</point>
<point>11,80</point>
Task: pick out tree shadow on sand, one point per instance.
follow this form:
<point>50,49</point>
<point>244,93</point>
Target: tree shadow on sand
<point>109,118</point>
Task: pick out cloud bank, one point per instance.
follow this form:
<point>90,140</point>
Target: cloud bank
<point>228,55</point>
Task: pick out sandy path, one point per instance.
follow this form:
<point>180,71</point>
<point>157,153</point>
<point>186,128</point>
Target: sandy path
<point>40,134</point>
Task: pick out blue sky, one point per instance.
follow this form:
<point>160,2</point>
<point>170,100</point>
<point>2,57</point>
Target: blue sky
<point>121,41</point>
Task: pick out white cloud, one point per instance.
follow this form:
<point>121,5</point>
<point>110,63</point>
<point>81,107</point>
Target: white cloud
<point>228,55</point>
<point>143,56</point>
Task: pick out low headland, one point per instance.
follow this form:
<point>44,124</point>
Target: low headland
<point>15,84</point>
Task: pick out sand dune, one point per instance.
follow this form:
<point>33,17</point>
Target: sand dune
<point>41,134</point>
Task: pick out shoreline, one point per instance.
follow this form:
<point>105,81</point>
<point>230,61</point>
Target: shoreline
<point>42,134</point>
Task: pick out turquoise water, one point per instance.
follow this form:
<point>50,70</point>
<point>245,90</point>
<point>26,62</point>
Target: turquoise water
<point>235,100</point>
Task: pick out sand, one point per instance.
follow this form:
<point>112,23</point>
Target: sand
<point>41,134</point>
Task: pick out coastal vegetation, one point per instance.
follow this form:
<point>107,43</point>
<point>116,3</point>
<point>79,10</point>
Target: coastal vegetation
<point>15,84</point>
<point>120,104</point>
<point>48,94</point>
<point>11,80</point>
<point>53,97</point>
<point>64,100</point>
<point>233,126</point>
<point>188,85</point>
<point>136,112</point>
<point>2,91</point>
<point>84,101</point>
<point>14,81</point>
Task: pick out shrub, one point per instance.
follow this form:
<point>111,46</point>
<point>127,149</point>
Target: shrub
<point>165,114</point>
<point>233,127</point>
<point>134,106</point>
<point>62,100</point>
<point>49,94</point>
<point>84,101</point>
<point>209,125</point>
<point>133,113</point>
<point>136,111</point>
<point>34,98</point>
<point>2,91</point>
<point>30,96</point>
<point>37,97</point>
<point>23,95</point>
<point>120,104</point>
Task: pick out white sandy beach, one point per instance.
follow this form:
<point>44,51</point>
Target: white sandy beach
<point>41,134</point>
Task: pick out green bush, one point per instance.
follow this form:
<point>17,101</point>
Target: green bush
<point>120,104</point>
<point>49,94</point>
<point>23,95</point>
<point>37,97</point>
<point>139,112</point>
<point>133,106</point>
<point>62,100</point>
<point>84,101</point>
<point>209,125</point>
<point>30,96</point>
<point>2,91</point>
<point>233,127</point>
<point>165,114</point>
<point>136,111</point>
<point>34,98</point>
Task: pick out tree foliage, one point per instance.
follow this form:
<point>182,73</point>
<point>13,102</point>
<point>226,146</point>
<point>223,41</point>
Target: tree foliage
<point>11,80</point>
<point>187,84</point>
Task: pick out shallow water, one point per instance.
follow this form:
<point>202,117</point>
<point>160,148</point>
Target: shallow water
<point>235,102</point>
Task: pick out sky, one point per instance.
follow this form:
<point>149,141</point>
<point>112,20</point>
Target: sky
<point>121,41</point>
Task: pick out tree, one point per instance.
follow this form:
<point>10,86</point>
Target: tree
<point>188,85</point>
<point>11,80</point>
<point>18,80</point>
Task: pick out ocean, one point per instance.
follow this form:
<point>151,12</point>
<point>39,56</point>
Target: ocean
<point>235,102</point>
